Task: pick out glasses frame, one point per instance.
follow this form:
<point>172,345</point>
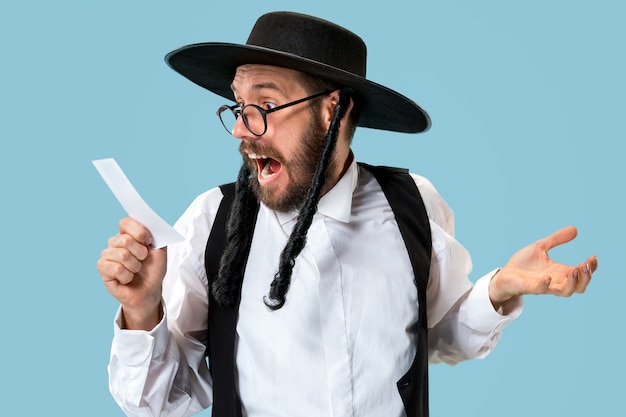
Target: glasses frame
<point>238,110</point>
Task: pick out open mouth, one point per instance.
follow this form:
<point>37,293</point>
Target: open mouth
<point>267,167</point>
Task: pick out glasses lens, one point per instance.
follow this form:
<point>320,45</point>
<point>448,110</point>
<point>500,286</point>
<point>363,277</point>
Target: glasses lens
<point>254,120</point>
<point>227,117</point>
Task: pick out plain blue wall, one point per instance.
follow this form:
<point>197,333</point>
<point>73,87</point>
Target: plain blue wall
<point>527,102</point>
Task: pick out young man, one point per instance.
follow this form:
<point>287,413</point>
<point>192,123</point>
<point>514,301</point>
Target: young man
<point>323,303</point>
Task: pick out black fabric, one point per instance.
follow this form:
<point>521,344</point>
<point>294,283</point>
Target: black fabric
<point>222,320</point>
<point>408,207</point>
<point>410,212</point>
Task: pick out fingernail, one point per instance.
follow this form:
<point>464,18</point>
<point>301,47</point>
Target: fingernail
<point>586,268</point>
<point>576,273</point>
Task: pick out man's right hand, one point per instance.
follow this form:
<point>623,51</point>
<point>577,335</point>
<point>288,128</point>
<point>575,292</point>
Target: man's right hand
<point>133,273</point>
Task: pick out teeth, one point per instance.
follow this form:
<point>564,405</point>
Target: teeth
<point>266,171</point>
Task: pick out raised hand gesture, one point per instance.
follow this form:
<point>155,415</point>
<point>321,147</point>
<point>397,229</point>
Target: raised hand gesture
<point>532,271</point>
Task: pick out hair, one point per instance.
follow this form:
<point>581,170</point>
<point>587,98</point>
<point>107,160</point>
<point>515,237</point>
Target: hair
<point>239,231</point>
<point>241,220</point>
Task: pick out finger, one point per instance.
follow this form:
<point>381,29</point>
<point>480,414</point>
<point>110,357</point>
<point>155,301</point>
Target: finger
<point>128,242</point>
<point>584,277</point>
<point>111,270</point>
<point>557,238</point>
<point>566,286</point>
<point>593,263</point>
<point>136,230</point>
<point>538,286</point>
<point>126,258</point>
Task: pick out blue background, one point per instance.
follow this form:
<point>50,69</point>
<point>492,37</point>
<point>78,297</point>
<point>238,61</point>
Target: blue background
<point>527,102</point>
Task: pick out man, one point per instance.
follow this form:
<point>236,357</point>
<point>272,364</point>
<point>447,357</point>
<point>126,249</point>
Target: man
<point>313,309</point>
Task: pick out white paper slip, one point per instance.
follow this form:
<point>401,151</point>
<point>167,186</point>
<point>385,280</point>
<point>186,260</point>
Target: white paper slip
<point>162,233</point>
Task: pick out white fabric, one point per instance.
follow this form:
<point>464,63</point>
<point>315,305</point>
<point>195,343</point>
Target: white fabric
<point>345,335</point>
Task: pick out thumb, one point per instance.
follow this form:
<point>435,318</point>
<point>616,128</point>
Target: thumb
<point>557,238</point>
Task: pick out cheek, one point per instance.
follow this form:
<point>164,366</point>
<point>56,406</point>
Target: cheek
<point>288,148</point>
<point>299,144</point>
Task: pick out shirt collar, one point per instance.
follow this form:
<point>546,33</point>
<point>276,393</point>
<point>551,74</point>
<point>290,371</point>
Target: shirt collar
<point>336,203</point>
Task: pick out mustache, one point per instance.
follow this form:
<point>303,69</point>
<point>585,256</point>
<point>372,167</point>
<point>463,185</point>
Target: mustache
<point>254,147</point>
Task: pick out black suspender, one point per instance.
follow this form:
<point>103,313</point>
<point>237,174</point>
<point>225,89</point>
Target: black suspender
<point>408,207</point>
<point>410,212</point>
<point>222,321</point>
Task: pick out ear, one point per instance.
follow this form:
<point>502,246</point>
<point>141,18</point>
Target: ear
<point>328,109</point>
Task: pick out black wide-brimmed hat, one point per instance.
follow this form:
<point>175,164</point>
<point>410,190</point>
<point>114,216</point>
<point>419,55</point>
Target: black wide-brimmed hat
<point>307,44</point>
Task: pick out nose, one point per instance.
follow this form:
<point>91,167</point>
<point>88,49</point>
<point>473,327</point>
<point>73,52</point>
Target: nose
<point>240,130</point>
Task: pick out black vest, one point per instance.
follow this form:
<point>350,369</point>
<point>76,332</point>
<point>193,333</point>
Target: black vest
<point>408,208</point>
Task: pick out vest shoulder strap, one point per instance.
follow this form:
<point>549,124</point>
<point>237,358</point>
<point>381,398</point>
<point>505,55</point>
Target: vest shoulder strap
<point>222,322</point>
<point>410,212</point>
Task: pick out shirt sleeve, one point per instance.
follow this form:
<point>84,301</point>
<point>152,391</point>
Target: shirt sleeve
<point>164,372</point>
<point>462,321</point>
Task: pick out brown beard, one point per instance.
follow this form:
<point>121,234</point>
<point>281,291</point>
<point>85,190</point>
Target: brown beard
<point>301,167</point>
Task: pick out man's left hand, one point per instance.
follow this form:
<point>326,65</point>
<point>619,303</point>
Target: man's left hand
<point>531,271</point>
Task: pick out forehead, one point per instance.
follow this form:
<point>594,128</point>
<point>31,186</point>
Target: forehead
<point>253,77</point>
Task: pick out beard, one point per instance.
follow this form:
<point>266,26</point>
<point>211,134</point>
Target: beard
<point>301,167</point>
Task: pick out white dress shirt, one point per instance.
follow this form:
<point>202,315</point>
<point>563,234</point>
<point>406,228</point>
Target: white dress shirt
<point>345,335</point>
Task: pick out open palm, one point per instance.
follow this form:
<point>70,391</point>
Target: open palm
<point>532,271</point>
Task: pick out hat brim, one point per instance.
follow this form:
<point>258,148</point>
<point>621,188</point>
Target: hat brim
<point>213,65</point>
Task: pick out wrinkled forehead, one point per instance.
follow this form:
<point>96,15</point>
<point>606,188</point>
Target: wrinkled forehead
<point>256,77</point>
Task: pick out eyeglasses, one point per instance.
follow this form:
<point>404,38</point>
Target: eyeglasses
<point>254,117</point>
